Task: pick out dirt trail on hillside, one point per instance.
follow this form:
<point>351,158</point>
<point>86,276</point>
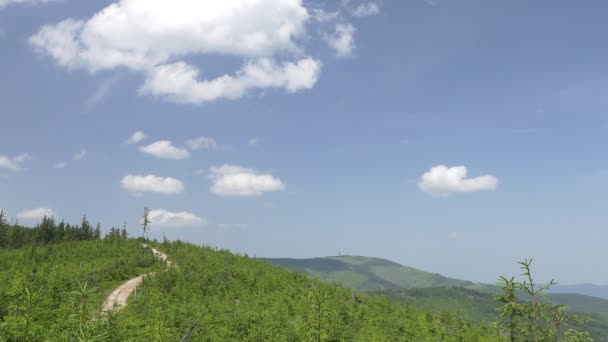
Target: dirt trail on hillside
<point>118,298</point>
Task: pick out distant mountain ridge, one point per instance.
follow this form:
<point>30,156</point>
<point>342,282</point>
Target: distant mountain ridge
<point>370,274</point>
<point>437,293</point>
<point>600,291</point>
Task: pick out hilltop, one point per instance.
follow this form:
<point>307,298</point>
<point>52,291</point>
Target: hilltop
<point>370,274</point>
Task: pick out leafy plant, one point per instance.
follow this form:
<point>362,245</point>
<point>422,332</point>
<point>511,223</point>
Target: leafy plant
<point>535,318</point>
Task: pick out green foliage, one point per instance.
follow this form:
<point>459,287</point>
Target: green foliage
<point>249,300</point>
<point>54,292</point>
<point>47,232</point>
<point>536,319</point>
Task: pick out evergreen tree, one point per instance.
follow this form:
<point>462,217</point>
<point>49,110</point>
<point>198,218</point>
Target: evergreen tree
<point>86,230</point>
<point>3,228</point>
<point>97,233</point>
<point>47,230</point>
<point>3,220</point>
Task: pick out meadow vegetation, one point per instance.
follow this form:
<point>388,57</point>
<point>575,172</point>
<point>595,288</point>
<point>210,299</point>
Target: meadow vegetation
<point>53,281</point>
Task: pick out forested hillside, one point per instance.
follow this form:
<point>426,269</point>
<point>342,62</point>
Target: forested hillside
<point>368,274</point>
<point>474,302</point>
<point>53,290</point>
<point>241,299</point>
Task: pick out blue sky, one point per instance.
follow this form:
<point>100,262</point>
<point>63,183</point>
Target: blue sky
<point>322,126</point>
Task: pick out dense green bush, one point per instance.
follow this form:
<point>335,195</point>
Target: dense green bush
<point>54,292</point>
<point>248,300</point>
<point>535,318</point>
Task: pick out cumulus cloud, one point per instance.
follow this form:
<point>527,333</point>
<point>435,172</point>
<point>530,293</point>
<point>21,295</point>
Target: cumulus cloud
<point>14,164</point>
<point>342,41</point>
<point>150,183</point>
<point>179,82</point>
<point>136,138</point>
<point>366,9</point>
<point>442,181</point>
<point>164,149</point>
<point>165,219</point>
<point>154,37</point>
<point>237,181</point>
<point>36,214</point>
<point>80,155</point>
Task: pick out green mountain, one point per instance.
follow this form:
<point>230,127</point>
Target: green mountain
<point>477,306</point>
<point>430,291</point>
<point>371,274</point>
<point>600,291</point>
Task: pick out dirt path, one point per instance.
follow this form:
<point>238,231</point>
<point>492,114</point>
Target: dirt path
<point>118,298</point>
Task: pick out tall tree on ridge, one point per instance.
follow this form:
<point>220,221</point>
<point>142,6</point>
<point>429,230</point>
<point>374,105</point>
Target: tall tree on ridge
<point>145,221</point>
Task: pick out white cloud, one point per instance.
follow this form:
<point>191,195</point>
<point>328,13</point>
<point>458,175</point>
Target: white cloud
<point>150,183</point>
<point>442,180</point>
<point>154,37</point>
<point>253,141</point>
<point>203,143</point>
<point>179,82</point>
<point>161,218</point>
<point>342,40</point>
<point>366,9</point>
<point>59,165</point>
<point>14,164</point>
<point>323,16</point>
<point>230,180</point>
<point>36,214</point>
<point>4,3</point>
<point>164,149</point>
<point>80,155</point>
<point>136,138</point>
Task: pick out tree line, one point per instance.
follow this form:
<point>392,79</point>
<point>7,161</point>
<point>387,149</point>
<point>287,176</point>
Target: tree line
<point>48,231</point>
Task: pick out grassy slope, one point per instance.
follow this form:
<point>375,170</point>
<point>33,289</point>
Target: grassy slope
<point>479,307</point>
<point>431,291</point>
<point>249,300</point>
<point>56,270</point>
<point>242,299</point>
<point>368,274</point>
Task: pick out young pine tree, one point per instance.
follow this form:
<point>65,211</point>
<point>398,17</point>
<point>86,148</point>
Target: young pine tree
<point>535,318</point>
